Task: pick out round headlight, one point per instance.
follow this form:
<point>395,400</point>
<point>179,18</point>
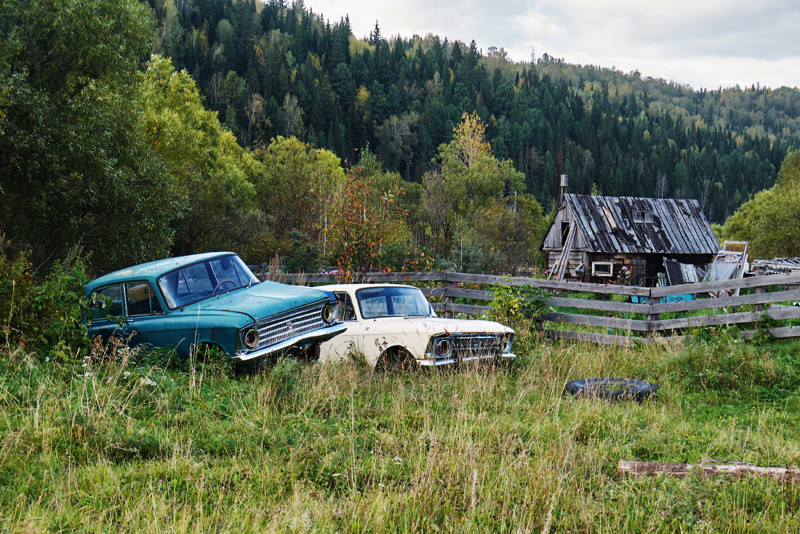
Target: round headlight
<point>329,313</point>
<point>250,338</point>
<point>443,348</point>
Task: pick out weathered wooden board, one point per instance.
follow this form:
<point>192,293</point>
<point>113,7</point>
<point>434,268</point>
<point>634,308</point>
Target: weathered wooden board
<point>602,305</point>
<point>587,304</point>
<point>434,292</point>
<point>548,284</point>
<point>317,278</point>
<point>637,469</point>
<point>605,339</point>
<point>475,294</point>
<point>469,309</point>
<point>594,320</point>
<point>779,332</point>
<point>789,312</point>
<point>725,302</point>
<point>723,285</point>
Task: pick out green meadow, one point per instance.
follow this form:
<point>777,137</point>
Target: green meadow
<point>130,442</point>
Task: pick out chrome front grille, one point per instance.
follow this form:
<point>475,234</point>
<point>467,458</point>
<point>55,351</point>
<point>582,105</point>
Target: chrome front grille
<point>469,346</point>
<point>276,329</point>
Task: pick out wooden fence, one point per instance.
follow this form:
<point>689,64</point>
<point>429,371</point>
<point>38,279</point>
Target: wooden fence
<point>628,314</point>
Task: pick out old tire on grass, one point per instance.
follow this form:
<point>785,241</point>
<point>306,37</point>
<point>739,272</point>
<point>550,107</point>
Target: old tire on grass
<point>611,388</point>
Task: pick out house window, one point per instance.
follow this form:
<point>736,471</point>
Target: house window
<point>603,268</point>
<point>644,217</point>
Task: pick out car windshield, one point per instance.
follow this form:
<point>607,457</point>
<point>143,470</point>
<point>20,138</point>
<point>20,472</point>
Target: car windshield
<point>392,302</point>
<point>199,281</point>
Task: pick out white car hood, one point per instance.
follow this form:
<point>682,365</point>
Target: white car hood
<point>441,325</point>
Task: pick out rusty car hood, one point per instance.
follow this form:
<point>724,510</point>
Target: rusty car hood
<point>264,299</point>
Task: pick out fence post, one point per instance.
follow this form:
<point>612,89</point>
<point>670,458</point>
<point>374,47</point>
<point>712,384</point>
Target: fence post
<point>448,297</point>
<point>758,307</point>
<point>651,317</point>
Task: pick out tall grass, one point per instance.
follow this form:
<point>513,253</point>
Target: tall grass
<point>115,445</point>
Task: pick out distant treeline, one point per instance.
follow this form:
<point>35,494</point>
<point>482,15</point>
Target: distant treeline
<point>278,69</point>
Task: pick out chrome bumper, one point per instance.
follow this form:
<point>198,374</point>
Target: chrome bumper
<point>315,336</point>
<point>452,361</point>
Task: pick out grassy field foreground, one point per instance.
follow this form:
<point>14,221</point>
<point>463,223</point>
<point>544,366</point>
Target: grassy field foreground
<point>121,446</point>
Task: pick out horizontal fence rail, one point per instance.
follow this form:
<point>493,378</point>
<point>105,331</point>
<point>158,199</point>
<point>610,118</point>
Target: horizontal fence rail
<point>628,314</point>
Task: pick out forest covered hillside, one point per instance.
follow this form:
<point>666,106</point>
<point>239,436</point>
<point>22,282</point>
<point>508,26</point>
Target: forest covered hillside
<point>138,130</point>
<point>280,69</point>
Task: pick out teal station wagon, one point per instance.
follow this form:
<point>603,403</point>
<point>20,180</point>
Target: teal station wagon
<point>209,299</point>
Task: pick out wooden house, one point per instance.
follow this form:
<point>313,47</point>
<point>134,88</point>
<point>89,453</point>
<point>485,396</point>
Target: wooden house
<point>626,239</point>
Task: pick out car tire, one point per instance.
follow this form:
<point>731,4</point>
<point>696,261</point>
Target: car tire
<point>396,360</point>
<point>310,353</point>
<point>613,389</point>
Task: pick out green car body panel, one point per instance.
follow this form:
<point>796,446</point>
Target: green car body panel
<point>141,303</point>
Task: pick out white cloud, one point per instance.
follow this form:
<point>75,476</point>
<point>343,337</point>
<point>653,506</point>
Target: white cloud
<point>707,43</point>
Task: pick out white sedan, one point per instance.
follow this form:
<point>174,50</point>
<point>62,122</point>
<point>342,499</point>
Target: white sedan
<point>394,326</point>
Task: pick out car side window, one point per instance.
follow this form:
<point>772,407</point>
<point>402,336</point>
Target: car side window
<point>141,299</point>
<point>107,301</point>
<point>347,311</point>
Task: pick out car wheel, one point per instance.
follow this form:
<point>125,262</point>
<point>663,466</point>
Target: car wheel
<point>207,352</point>
<point>396,361</point>
<point>310,353</point>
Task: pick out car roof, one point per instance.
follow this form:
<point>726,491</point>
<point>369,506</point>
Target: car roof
<point>153,269</point>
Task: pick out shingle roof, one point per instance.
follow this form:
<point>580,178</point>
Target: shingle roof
<point>609,225</point>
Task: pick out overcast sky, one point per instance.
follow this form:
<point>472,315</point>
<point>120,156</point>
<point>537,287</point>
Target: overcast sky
<point>703,43</point>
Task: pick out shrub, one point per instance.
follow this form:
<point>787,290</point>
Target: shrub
<point>517,305</point>
<point>44,315</point>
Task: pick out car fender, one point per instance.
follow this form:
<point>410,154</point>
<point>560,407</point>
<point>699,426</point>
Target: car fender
<point>188,329</point>
<point>381,335</point>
